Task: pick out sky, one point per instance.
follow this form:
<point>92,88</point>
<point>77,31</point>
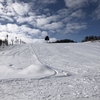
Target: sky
<point>32,20</point>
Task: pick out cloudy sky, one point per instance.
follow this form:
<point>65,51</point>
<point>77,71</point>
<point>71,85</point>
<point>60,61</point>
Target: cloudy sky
<point>60,19</point>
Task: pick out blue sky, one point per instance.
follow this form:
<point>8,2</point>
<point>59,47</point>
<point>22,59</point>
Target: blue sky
<point>60,19</point>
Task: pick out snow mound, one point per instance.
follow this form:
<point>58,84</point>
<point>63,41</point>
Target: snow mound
<point>37,70</point>
<point>33,71</point>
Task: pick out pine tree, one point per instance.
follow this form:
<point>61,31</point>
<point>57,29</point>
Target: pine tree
<point>47,38</point>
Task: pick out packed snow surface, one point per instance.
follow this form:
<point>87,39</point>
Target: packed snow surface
<point>50,72</point>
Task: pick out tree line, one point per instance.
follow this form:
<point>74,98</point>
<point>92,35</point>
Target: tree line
<point>87,38</point>
<point>64,41</point>
<point>91,38</point>
<point>59,41</point>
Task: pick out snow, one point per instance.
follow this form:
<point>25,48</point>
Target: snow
<point>22,62</point>
<point>44,71</point>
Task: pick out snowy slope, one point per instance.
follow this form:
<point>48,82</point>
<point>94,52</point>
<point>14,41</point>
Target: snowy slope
<point>50,72</point>
<point>19,61</point>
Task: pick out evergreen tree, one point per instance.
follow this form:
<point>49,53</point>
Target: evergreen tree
<point>47,38</point>
<point>91,38</point>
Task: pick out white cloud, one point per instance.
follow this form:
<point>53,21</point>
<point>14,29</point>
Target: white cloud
<point>75,3</point>
<point>21,8</point>
<point>96,13</point>
<point>44,33</point>
<point>3,28</point>
<point>35,33</point>
<point>64,12</point>
<point>78,14</point>
<point>13,28</point>
<point>6,18</point>
<point>10,11</point>
<point>3,35</point>
<point>68,15</point>
<point>6,10</point>
<point>42,21</point>
<point>48,1</point>
<point>10,1</point>
<point>53,26</point>
<point>1,0</point>
<point>1,8</point>
<point>75,27</point>
<point>29,19</point>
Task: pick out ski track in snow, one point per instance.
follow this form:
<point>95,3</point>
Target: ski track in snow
<point>76,66</point>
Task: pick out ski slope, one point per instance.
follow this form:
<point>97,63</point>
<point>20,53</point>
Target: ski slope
<point>50,72</point>
<point>20,61</point>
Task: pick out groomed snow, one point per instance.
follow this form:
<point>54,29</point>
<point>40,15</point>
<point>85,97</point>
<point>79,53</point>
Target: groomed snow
<point>50,72</point>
